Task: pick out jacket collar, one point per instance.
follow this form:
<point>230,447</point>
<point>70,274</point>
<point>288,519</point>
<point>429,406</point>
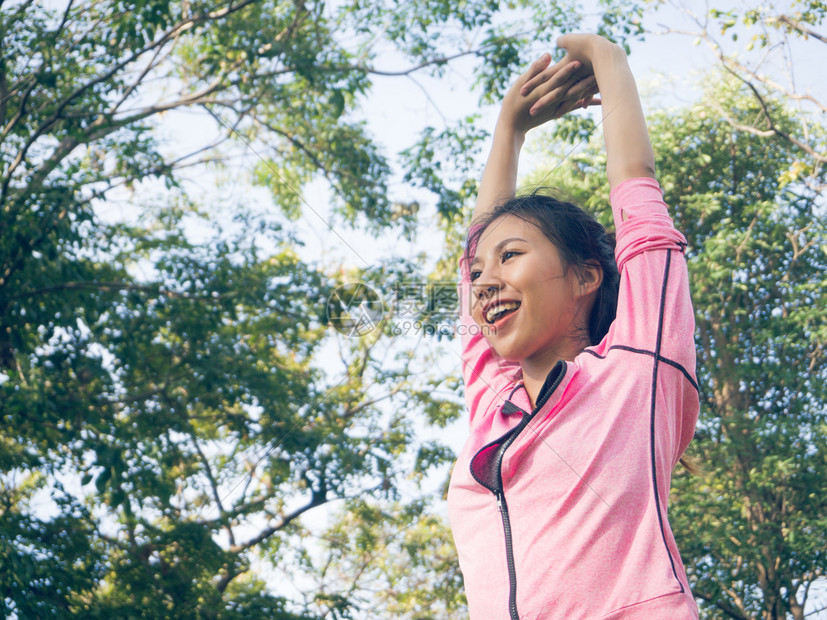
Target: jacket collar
<point>553,387</point>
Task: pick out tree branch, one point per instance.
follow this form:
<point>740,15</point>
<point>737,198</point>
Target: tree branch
<point>64,19</point>
<point>404,72</point>
<point>747,76</point>
<point>29,83</point>
<point>171,33</point>
<point>213,486</point>
<point>317,499</point>
<point>795,25</point>
<point>138,79</point>
<point>729,609</point>
<point>780,133</point>
<point>736,66</point>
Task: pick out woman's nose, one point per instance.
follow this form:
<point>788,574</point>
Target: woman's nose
<point>485,288</point>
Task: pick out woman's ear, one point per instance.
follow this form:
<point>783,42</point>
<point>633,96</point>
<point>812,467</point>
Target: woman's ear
<point>591,277</point>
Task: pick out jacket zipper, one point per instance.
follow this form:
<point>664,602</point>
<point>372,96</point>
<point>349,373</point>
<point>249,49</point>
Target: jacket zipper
<point>498,489</point>
<point>509,554</point>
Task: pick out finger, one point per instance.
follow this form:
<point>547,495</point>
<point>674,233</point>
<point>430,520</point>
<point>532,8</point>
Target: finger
<point>568,107</point>
<point>591,101</point>
<point>583,88</point>
<point>536,67</point>
<point>565,41</point>
<point>551,98</point>
<point>590,97</point>
<point>582,104</point>
<point>569,92</point>
<point>550,112</point>
<point>552,76</point>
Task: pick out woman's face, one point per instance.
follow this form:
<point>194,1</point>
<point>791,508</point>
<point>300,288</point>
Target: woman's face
<point>528,305</point>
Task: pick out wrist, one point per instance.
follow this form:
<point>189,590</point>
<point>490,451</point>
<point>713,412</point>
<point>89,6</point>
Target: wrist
<point>505,131</point>
<point>603,49</point>
<point>590,48</point>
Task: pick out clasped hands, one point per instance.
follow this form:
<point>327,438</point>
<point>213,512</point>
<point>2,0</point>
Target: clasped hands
<point>547,91</point>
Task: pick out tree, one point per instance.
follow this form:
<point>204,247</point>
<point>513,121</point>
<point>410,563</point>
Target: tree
<point>753,525</point>
<point>762,553</point>
<point>166,394</point>
<point>761,45</point>
<point>389,561</point>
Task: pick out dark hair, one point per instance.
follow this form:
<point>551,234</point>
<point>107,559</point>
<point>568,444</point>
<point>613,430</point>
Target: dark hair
<point>579,238</point>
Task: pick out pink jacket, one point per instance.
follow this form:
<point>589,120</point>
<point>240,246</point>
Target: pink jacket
<point>560,513</point>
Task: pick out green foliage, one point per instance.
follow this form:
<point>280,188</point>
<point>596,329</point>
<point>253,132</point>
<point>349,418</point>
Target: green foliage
<point>168,397</point>
<point>443,163</point>
<point>396,561</point>
<point>759,291</point>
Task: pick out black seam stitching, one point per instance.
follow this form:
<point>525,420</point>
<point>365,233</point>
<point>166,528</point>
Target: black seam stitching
<point>666,360</point>
<point>652,411</point>
<point>685,372</point>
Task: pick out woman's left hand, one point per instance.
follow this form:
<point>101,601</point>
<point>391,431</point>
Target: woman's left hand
<point>552,97</point>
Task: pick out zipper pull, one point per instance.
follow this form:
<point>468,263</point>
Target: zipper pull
<point>499,497</point>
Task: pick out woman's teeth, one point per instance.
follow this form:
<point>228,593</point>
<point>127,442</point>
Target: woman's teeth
<point>494,312</point>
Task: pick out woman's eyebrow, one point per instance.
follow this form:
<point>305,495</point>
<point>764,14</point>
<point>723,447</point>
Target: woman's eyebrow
<point>497,248</point>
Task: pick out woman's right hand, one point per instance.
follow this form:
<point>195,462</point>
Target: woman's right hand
<point>562,87</point>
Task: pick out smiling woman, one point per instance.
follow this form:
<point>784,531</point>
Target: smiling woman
<point>552,240</point>
<point>581,385</point>
<point>532,305</point>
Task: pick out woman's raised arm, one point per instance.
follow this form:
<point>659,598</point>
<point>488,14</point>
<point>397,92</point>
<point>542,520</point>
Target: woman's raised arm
<point>628,151</point>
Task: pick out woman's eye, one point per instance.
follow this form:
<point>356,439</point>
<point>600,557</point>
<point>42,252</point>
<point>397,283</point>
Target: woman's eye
<point>508,254</point>
<point>475,275</point>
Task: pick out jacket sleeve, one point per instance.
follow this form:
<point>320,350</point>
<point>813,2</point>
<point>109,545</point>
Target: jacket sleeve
<point>488,378</point>
<point>654,308</point>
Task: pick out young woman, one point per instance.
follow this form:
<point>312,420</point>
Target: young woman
<point>579,370</point>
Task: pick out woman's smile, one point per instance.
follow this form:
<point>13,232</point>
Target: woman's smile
<point>496,312</point>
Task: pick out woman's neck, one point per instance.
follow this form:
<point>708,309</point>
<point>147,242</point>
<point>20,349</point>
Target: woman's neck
<point>536,368</point>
